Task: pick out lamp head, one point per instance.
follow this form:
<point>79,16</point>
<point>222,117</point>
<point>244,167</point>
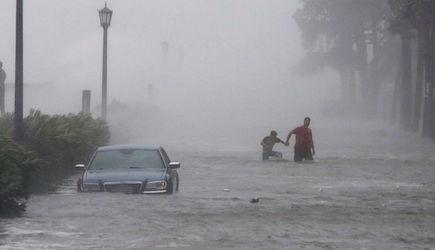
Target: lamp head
<point>105,16</point>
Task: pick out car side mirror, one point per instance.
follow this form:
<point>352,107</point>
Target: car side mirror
<point>174,164</point>
<point>79,166</point>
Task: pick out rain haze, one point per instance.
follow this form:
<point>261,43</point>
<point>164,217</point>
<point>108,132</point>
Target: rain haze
<point>208,81</point>
<point>227,64</point>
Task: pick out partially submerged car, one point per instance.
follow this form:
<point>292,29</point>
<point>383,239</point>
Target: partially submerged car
<point>133,169</point>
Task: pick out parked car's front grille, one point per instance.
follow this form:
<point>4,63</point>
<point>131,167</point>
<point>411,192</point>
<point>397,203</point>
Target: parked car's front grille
<point>128,188</point>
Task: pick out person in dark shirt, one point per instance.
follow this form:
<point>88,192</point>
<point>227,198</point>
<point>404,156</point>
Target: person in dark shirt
<point>304,146</point>
<point>268,142</point>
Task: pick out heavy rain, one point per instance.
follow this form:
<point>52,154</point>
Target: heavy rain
<point>224,87</point>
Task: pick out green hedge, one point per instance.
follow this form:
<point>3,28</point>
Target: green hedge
<point>52,145</point>
<point>16,166</point>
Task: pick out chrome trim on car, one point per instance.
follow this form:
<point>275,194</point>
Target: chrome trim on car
<point>155,191</point>
<point>113,183</point>
<point>122,182</point>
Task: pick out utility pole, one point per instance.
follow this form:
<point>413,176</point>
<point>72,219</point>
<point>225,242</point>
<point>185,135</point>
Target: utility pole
<point>429,102</point>
<point>18,116</point>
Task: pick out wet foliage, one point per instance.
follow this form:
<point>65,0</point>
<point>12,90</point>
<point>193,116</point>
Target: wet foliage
<point>383,52</point>
<point>52,145</point>
<point>16,165</point>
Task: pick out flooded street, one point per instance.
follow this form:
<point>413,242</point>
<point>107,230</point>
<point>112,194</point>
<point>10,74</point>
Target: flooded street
<point>367,189</point>
<point>208,81</point>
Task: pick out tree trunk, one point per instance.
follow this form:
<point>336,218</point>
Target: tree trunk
<point>429,104</point>
<point>344,79</point>
<point>396,97</point>
<point>406,84</point>
<point>352,86</point>
<point>348,79</point>
<point>362,58</point>
<point>346,67</point>
<point>373,73</point>
<point>421,38</point>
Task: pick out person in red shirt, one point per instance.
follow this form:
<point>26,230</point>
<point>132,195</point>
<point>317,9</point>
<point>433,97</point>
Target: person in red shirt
<point>304,146</point>
<point>268,142</point>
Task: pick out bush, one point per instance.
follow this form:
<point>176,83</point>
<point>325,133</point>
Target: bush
<point>16,165</point>
<point>52,145</point>
<point>63,140</point>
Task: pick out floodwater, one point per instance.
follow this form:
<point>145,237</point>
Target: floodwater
<point>368,189</point>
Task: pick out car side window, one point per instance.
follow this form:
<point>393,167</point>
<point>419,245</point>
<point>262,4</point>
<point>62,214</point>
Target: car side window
<point>165,157</point>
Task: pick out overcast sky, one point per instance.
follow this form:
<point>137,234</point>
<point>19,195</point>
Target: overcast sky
<point>223,54</point>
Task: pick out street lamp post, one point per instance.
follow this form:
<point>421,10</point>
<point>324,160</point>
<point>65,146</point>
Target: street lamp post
<point>105,17</point>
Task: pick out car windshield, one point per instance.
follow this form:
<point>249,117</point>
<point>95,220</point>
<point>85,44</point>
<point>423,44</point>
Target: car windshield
<point>127,158</point>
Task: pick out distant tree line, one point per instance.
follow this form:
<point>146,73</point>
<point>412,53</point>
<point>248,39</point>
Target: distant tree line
<point>383,52</point>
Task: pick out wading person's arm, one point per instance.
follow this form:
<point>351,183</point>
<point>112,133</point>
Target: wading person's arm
<point>288,138</point>
<point>280,141</point>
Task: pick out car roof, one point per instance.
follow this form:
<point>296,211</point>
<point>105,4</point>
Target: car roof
<point>128,146</point>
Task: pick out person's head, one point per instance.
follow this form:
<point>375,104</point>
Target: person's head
<point>307,121</point>
<point>273,133</point>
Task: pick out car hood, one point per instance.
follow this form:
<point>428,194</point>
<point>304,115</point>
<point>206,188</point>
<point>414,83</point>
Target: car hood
<point>108,175</point>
